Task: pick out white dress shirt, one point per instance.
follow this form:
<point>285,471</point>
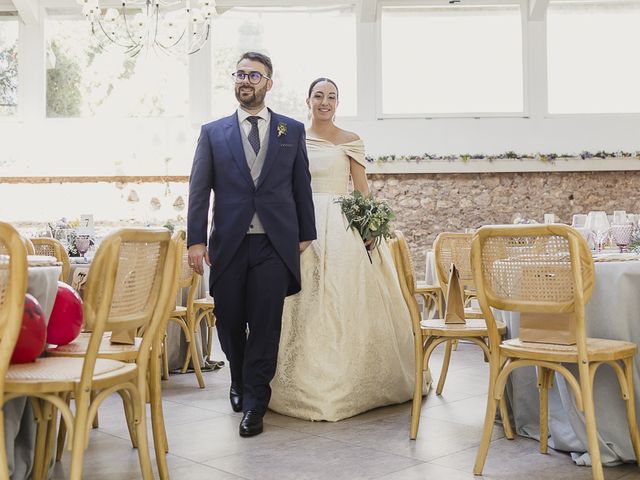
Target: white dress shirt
<point>263,123</point>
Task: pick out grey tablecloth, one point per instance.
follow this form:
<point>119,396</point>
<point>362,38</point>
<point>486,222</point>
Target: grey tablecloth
<point>19,425</point>
<point>613,313</point>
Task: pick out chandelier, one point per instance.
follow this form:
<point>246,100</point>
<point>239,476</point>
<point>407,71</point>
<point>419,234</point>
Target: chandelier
<point>165,25</point>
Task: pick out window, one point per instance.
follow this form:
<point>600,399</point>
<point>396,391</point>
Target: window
<point>452,60</point>
<point>8,66</point>
<point>303,44</point>
<point>593,62</point>
<point>86,80</point>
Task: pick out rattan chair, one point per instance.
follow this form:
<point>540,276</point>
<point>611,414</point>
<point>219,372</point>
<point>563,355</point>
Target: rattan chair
<point>129,287</point>
<point>53,248</point>
<point>129,353</point>
<point>185,316</point>
<point>4,249</point>
<point>546,269</point>
<point>204,308</point>
<point>455,248</point>
<point>428,334</point>
<point>13,286</point>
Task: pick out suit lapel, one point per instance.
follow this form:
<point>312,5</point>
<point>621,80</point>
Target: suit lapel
<point>272,150</point>
<point>232,135</point>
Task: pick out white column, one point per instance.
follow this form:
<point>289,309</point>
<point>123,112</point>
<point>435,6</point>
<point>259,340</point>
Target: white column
<point>537,68</point>
<point>200,85</point>
<point>366,32</point>
<point>32,72</point>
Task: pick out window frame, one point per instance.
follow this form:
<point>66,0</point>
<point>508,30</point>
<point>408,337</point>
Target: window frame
<point>524,21</point>
<point>7,16</point>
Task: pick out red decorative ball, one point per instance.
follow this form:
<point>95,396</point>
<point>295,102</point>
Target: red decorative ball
<point>65,321</point>
<point>31,340</point>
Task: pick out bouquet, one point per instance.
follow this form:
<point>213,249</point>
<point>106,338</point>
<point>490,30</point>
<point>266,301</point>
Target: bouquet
<point>370,217</point>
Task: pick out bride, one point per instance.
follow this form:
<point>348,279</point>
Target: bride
<point>346,344</point>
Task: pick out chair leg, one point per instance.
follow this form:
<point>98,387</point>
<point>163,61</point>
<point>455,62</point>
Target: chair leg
<point>160,442</point>
<point>165,359</point>
<point>631,409</point>
<point>590,422</point>
<point>50,440</point>
<point>445,367</point>
<point>39,407</point>
<point>504,415</point>
<point>141,432</point>
<point>416,406</point>
<point>454,344</point>
<point>96,422</point>
<point>79,437</point>
<point>129,416</point>
<point>487,430</point>
<point>543,383</point>
<point>193,351</point>
<point>62,432</point>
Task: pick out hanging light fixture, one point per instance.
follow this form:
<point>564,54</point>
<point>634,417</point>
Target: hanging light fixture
<point>169,26</point>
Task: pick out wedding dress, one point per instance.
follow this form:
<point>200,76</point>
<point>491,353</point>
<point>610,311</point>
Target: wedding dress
<point>346,344</point>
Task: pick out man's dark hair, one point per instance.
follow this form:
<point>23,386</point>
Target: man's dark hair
<point>259,57</point>
<point>322,79</point>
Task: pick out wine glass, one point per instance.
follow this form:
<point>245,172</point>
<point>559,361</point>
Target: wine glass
<point>83,242</point>
<point>619,217</point>
<point>598,223</point>
<point>579,220</point>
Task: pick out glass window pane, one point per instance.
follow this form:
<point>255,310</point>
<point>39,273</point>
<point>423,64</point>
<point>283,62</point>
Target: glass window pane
<point>86,80</point>
<point>8,67</point>
<point>593,60</point>
<point>452,60</point>
<point>303,43</point>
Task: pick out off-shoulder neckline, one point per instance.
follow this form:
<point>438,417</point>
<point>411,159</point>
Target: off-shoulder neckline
<point>335,144</point>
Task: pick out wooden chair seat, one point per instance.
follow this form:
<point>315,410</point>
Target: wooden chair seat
<point>598,349</point>
<point>57,374</point>
<point>204,303</point>
<point>426,287</point>
<point>475,327</point>
<point>473,313</point>
<point>124,353</point>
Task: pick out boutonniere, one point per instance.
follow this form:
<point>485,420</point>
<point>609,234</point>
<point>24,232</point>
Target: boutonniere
<point>282,129</point>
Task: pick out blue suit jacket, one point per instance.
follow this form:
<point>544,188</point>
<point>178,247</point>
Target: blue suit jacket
<point>282,197</point>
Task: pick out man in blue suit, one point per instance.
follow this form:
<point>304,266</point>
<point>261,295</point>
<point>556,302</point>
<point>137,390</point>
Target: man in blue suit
<point>255,161</point>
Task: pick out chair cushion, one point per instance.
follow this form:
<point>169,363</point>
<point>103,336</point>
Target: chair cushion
<point>598,349</point>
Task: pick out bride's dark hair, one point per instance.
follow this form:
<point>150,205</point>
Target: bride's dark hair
<point>322,79</point>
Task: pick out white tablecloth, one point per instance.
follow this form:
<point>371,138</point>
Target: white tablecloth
<point>613,313</point>
<point>19,425</point>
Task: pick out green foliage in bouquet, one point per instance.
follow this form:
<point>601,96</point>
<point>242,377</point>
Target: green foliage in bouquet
<point>634,246</point>
<point>369,216</point>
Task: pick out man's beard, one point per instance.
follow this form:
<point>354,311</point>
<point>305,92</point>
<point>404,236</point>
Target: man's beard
<point>251,101</point>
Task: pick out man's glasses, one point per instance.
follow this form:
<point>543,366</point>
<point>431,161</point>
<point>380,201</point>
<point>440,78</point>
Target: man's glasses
<point>254,77</point>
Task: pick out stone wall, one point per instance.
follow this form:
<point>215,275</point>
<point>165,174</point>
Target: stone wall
<point>428,204</point>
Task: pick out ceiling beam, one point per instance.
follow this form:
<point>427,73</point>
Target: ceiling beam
<point>367,10</point>
<point>28,10</point>
<point>538,9</point>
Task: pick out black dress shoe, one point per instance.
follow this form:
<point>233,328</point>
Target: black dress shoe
<point>251,423</point>
<point>235,397</point>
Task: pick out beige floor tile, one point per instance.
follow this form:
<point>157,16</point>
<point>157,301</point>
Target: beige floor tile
<point>310,459</point>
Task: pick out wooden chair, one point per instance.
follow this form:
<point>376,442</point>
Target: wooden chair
<point>428,334</point>
<point>129,353</point>
<point>546,269</point>
<point>53,248</point>
<point>204,308</point>
<point>13,287</point>
<point>455,248</point>
<point>4,249</point>
<point>185,316</point>
<point>129,287</point>
<point>431,295</point>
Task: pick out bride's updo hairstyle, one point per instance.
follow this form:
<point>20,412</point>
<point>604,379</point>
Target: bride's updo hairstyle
<point>322,79</point>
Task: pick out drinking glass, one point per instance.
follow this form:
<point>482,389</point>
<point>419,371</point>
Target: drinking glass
<point>619,217</point>
<point>598,223</point>
<point>621,234</point>
<point>579,220</point>
<point>83,242</point>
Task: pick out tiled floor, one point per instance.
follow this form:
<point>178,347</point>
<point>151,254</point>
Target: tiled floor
<point>204,441</point>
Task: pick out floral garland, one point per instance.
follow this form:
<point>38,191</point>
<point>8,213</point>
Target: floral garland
<point>465,158</point>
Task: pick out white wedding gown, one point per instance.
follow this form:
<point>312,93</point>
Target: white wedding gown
<point>347,343</point>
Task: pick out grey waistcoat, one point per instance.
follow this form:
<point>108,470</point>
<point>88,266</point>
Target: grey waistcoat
<point>255,163</point>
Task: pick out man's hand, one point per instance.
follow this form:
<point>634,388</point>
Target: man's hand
<point>196,253</point>
<point>304,245</point>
